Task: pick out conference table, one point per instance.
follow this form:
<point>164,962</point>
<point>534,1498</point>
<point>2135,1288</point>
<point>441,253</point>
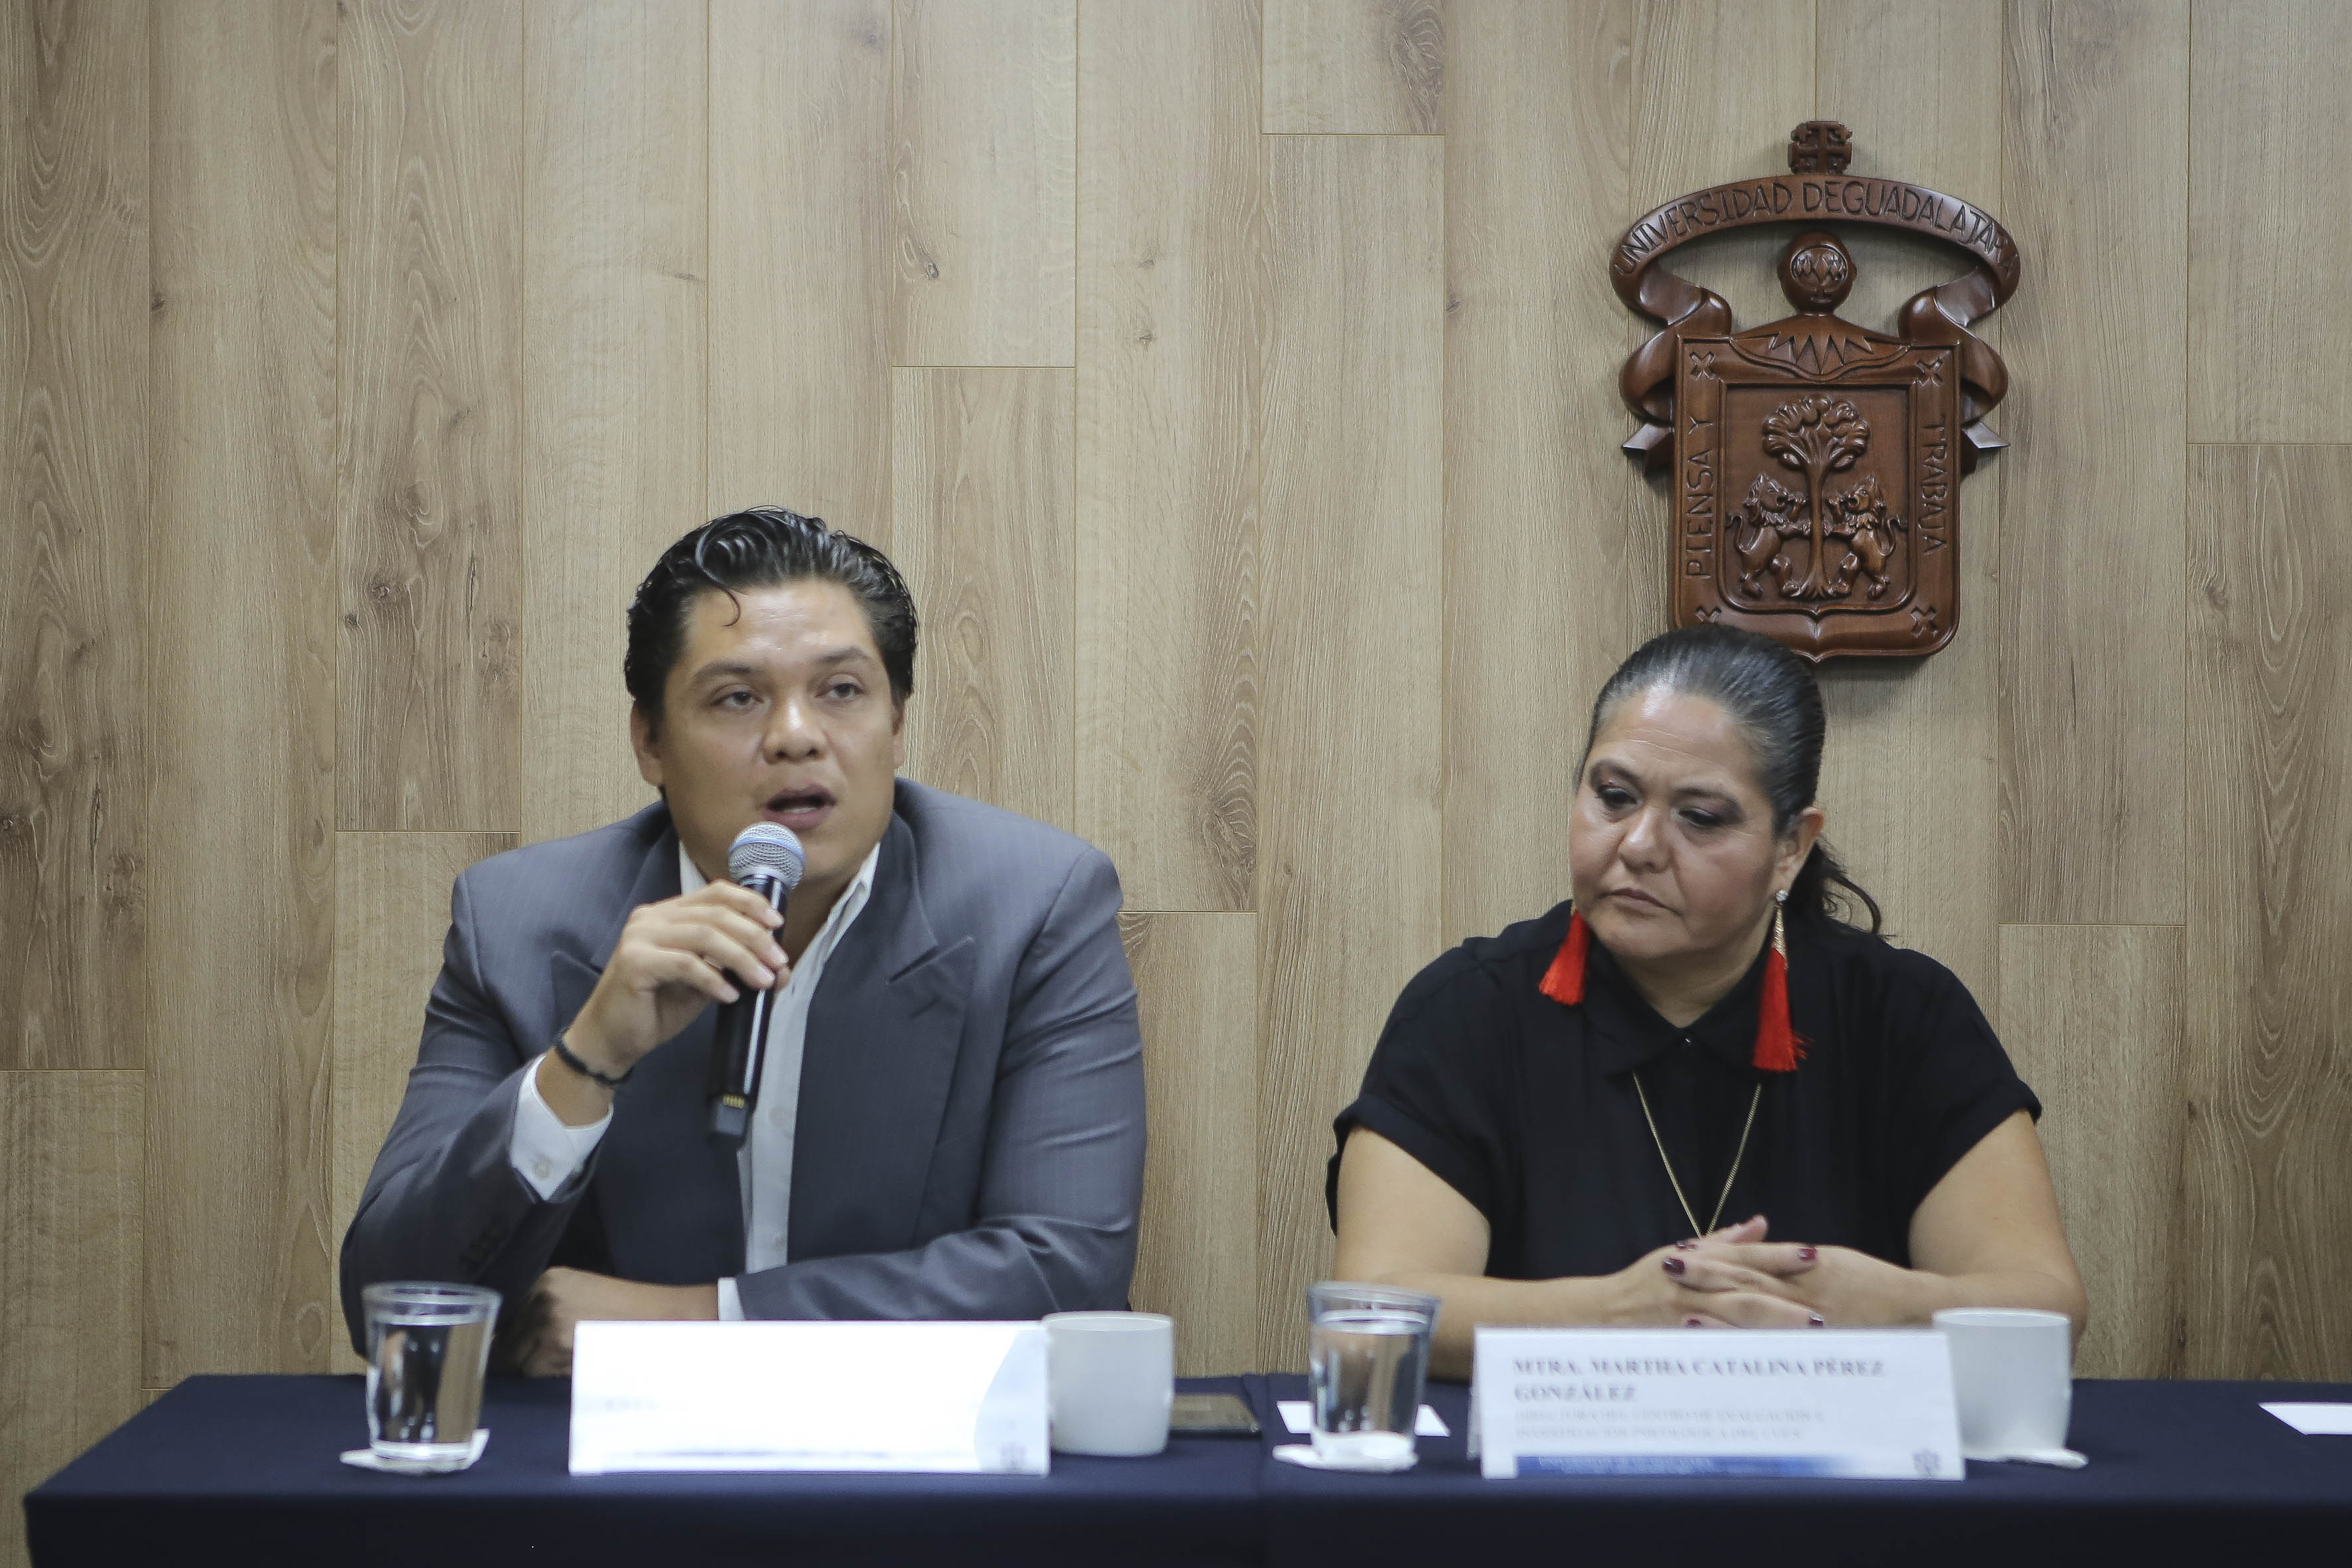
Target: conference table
<point>245,1470</point>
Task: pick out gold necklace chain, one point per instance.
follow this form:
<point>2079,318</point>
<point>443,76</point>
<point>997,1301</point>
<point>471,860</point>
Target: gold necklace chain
<point>1741,1153</point>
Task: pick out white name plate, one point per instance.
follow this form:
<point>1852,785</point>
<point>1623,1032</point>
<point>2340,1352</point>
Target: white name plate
<point>1872,1404</point>
<point>949,1397</point>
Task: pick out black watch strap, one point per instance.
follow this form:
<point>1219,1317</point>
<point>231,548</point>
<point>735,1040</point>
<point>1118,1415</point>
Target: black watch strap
<point>563,1053</point>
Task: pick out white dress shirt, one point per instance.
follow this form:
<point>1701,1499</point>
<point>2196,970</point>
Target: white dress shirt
<point>548,1154</point>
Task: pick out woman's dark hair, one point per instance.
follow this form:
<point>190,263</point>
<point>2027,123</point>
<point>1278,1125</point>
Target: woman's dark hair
<point>1771,695</point>
<point>758,549</point>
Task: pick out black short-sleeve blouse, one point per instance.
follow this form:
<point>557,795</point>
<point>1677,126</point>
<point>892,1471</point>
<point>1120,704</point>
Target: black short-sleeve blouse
<point>1528,1106</point>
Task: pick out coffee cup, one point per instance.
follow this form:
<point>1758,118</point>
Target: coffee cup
<point>2012,1380</point>
<point>1110,1379</point>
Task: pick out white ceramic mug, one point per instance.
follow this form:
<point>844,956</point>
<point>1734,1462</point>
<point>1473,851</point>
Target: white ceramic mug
<point>1110,1378</point>
<point>2012,1379</point>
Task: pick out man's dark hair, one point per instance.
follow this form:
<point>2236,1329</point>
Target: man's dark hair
<point>759,549</point>
<point>1771,695</point>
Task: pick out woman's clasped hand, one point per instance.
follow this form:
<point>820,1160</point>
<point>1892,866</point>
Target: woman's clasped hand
<point>1734,1279</point>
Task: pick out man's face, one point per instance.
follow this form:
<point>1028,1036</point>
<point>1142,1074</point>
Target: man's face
<point>778,713</point>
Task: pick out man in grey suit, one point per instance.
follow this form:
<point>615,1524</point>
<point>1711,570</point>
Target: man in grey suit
<point>951,1117</point>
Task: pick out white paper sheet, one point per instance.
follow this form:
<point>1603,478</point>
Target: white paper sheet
<point>2314,1420</point>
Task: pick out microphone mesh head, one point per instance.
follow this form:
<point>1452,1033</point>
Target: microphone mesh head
<point>769,849</point>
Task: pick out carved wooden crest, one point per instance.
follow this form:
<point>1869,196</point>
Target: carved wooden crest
<point>1817,463</point>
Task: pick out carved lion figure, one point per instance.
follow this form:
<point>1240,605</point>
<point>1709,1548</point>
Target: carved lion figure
<point>1869,533</point>
<point>1759,528</point>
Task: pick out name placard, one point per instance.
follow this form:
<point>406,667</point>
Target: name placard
<point>949,1398</point>
<point>1862,1403</point>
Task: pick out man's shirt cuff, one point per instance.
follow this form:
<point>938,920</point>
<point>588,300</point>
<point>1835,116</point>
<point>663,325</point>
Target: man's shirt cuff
<point>730,1302</point>
<point>545,1152</point>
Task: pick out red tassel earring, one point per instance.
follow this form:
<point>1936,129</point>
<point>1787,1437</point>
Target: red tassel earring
<point>1778,1048</point>
<point>1564,981</point>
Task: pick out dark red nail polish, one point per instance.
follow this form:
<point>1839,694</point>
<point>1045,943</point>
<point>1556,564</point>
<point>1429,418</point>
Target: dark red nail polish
<point>1692,1323</point>
<point>1820,1321</point>
<point>1675,1266</point>
<point>1809,1253</point>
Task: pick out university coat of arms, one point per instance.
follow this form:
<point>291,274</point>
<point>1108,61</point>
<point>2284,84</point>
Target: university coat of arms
<point>1817,464</point>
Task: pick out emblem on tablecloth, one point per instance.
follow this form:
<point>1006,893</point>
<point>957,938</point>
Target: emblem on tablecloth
<point>1817,463</point>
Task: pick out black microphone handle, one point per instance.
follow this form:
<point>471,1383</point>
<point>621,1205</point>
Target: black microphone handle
<point>739,1043</point>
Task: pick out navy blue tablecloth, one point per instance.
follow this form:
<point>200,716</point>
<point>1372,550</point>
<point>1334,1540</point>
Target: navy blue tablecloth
<point>2179,1472</point>
<point>244,1470</point>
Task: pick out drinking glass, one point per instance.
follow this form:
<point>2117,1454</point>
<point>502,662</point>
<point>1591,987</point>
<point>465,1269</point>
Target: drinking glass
<point>1367,1352</point>
<point>428,1346</point>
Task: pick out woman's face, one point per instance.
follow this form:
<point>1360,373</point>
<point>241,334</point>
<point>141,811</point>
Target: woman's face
<point>1670,849</point>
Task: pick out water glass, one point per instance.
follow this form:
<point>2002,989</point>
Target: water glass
<point>1367,1352</point>
<point>428,1346</point>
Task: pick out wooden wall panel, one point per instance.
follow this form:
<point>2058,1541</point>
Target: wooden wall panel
<point>980,527</point>
<point>1354,66</point>
<point>2094,181</point>
<point>1171,324</point>
<point>2268,318</point>
<point>240,675</point>
<point>1717,87</point>
<point>2091,1015</point>
<point>615,207</point>
<point>73,496</point>
<point>983,183</point>
<point>1555,563</point>
<point>2268,1182</point>
<point>1196,985</point>
<point>394,907</point>
<point>1351,759</point>
<point>800,261</point>
<point>1911,775</point>
<point>69,1225</point>
<point>429,308</point>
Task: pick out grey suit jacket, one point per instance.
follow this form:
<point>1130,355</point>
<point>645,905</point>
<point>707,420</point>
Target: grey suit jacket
<point>970,1141</point>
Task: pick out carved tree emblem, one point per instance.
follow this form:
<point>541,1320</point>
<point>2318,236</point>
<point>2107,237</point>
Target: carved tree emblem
<point>1817,436</point>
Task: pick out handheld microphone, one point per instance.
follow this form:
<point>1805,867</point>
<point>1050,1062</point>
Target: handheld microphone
<point>767,859</point>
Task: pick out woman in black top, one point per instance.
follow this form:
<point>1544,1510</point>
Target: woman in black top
<point>1556,1119</point>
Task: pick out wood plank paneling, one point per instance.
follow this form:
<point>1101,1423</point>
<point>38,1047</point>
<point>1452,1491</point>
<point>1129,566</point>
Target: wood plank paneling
<point>800,261</point>
<point>1196,987</point>
<point>613,375</point>
<point>73,499</point>
<point>983,182</point>
<point>1718,85</point>
<point>1352,761</point>
<point>1354,66</point>
<point>429,308</point>
<point>2091,1015</point>
<point>1911,775</point>
<point>1171,324</point>
<point>981,529</point>
<point>2094,178</point>
<point>1555,556</point>
<point>394,897</point>
<point>240,673</point>
<point>69,1225</point>
<point>2269,1064</point>
<point>2268,319</point>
